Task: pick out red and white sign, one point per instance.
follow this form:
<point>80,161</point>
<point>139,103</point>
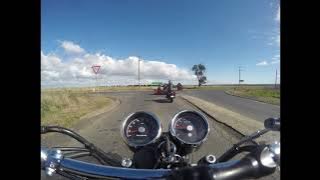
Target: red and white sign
<point>96,68</point>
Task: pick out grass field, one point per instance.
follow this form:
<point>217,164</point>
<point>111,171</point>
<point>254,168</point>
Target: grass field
<point>216,87</point>
<point>100,89</point>
<point>64,107</point>
<point>268,95</point>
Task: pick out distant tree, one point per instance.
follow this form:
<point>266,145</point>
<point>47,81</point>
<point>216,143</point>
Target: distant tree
<point>199,70</point>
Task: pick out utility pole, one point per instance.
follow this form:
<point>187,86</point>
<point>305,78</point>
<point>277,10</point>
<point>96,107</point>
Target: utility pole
<point>139,71</point>
<point>240,75</point>
<point>275,84</point>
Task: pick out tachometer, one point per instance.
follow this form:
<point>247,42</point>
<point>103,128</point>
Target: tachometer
<point>189,127</point>
<point>140,128</point>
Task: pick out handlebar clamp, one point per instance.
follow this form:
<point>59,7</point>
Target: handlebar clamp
<point>43,129</point>
<point>50,160</point>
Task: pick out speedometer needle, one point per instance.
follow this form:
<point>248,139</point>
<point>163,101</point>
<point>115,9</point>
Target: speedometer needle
<point>141,135</point>
<point>133,131</point>
<point>181,127</point>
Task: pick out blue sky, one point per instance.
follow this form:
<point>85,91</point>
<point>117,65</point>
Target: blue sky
<point>219,34</point>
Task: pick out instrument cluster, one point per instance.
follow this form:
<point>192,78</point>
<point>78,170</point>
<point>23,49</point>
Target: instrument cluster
<point>143,128</point>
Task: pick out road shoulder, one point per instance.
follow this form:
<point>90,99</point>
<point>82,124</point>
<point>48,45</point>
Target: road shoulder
<point>88,119</point>
<point>85,121</point>
<point>238,122</point>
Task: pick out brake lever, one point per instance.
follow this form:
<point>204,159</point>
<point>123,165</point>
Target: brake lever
<point>235,148</point>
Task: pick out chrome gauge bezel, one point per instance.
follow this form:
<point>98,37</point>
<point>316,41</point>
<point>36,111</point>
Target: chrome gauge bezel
<point>173,132</point>
<point>123,125</point>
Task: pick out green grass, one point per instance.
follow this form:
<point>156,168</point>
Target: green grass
<point>101,89</point>
<point>64,107</point>
<point>210,87</point>
<point>268,95</point>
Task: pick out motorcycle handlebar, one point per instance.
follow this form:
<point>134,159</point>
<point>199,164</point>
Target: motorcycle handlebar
<point>238,169</point>
<point>254,165</point>
<point>105,157</point>
<point>272,123</point>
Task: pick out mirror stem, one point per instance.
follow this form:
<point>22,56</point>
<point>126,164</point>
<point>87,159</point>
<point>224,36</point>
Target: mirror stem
<point>252,136</point>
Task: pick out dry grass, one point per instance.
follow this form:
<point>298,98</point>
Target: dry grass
<point>101,89</point>
<point>268,95</point>
<point>64,108</point>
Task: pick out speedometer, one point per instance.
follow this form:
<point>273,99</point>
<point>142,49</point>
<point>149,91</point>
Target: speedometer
<point>140,128</point>
<point>189,127</point>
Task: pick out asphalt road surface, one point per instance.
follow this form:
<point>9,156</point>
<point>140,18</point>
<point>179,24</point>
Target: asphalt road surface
<point>247,107</point>
<point>104,129</point>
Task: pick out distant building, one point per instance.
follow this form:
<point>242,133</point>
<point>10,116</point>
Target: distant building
<point>156,83</point>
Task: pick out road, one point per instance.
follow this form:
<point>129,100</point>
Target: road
<point>250,108</point>
<point>104,129</point>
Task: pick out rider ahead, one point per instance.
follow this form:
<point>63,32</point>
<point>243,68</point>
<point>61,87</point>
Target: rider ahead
<point>169,88</point>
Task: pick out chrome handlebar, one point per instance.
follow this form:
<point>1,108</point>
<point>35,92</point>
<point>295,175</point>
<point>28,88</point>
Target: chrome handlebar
<point>52,161</point>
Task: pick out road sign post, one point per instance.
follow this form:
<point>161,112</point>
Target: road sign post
<point>96,69</point>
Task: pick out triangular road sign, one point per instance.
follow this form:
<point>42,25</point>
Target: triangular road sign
<point>96,68</point>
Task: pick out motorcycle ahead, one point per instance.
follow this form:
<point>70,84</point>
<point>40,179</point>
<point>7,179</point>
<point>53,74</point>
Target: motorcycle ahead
<point>170,96</point>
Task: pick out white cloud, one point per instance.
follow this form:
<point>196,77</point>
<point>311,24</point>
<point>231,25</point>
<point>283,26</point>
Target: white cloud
<point>77,71</point>
<point>71,47</point>
<point>262,63</point>
<point>278,14</point>
<point>276,57</point>
<point>49,62</point>
<point>275,60</point>
<point>277,39</point>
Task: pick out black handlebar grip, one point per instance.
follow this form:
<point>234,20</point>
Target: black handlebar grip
<point>272,123</point>
<point>277,124</point>
<point>192,173</point>
<point>242,169</point>
<point>249,167</point>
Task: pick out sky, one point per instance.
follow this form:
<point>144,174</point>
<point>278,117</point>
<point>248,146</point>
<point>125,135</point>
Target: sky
<point>168,37</point>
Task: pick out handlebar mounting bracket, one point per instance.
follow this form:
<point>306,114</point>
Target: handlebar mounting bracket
<point>50,160</point>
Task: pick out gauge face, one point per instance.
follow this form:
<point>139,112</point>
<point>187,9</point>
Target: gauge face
<point>140,128</point>
<point>190,127</point>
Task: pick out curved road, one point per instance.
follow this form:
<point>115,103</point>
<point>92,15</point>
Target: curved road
<point>104,130</point>
<point>247,107</point>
